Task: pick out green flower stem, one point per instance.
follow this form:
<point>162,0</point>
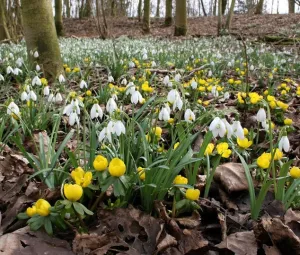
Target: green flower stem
<point>98,200</point>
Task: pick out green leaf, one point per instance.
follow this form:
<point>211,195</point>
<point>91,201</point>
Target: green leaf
<point>281,182</point>
<point>23,216</point>
<point>78,208</point>
<point>48,226</point>
<point>118,188</point>
<point>87,211</point>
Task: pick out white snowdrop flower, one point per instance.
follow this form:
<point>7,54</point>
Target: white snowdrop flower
<point>1,77</point>
<point>217,127</point>
<point>228,128</point>
<point>19,62</point>
<point>46,91</point>
<point>10,55</point>
<point>31,96</point>
<point>96,111</point>
<point>166,80</point>
<point>153,64</point>
<point>164,114</point>
<point>111,106</point>
<point>37,68</point>
<point>130,88</point>
<point>194,84</point>
<point>189,116</point>
<point>124,81</point>
<point>73,118</point>
<point>36,54</point>
<point>226,95</point>
<point>251,68</point>
<point>174,98</point>
<point>145,57</point>
<point>105,134</point>
<point>177,77</point>
<point>261,115</point>
<point>24,96</point>
<point>131,64</point>
<point>61,78</point>
<point>83,84</point>
<point>136,97</point>
<point>154,52</point>
<point>68,109</point>
<point>119,128</point>
<point>284,144</point>
<point>209,74</point>
<point>229,64</point>
<point>121,62</point>
<point>51,98</point>
<point>9,70</point>
<point>17,71</point>
<point>238,130</point>
<point>13,109</point>
<point>214,91</point>
<point>36,81</point>
<point>144,51</point>
<point>177,104</point>
<point>58,98</point>
<point>110,79</point>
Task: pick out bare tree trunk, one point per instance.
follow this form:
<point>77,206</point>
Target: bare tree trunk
<point>157,9</point>
<point>168,18</point>
<point>230,14</point>
<point>101,23</point>
<point>224,4</point>
<point>215,8</point>
<point>140,10</point>
<point>259,7</point>
<point>291,6</point>
<point>180,18</point>
<point>146,18</point>
<point>203,8</point>
<point>58,17</point>
<point>40,35</point>
<point>68,8</point>
<point>219,17</point>
<point>88,9</point>
<point>113,8</point>
<point>4,33</point>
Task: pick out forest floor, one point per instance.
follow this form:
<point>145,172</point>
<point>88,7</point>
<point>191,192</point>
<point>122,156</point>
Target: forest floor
<point>257,26</point>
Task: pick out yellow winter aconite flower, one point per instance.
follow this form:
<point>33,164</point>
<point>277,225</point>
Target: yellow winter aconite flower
<point>68,70</point>
<point>73,192</point>
<point>192,194</point>
<point>278,154</point>
<point>282,105</point>
<point>254,97</point>
<point>171,121</point>
<point>100,163</point>
<point>244,143</point>
<point>30,211</point>
<point>81,177</point>
<point>44,81</point>
<point>142,173</point>
<point>157,131</point>
<point>176,145</point>
<point>240,98</point>
<point>288,122</point>
<point>180,180</point>
<point>264,160</point>
<point>146,87</point>
<point>76,70</point>
<point>42,207</point>
<point>209,149</point>
<point>117,167</point>
<point>88,93</point>
<point>222,149</point>
<point>246,131</point>
<point>295,172</point>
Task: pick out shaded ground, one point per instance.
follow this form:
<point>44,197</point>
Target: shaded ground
<point>249,25</point>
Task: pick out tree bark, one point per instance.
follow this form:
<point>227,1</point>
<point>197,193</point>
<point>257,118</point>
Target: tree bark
<point>230,14</point>
<point>291,6</point>
<point>259,7</point>
<point>58,18</point>
<point>203,8</point>
<point>146,18</point>
<point>219,17</point>
<point>168,18</point>
<point>157,9</point>
<point>88,9</point>
<point>113,8</point>
<point>215,8</point>
<point>4,33</point>
<point>224,5</point>
<point>40,35</point>
<point>140,10</point>
<point>180,18</point>
<point>68,8</point>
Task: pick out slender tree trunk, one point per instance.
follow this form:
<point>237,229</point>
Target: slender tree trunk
<point>259,7</point>
<point>180,18</point>
<point>291,6</point>
<point>157,9</point>
<point>4,33</point>
<point>219,17</point>
<point>215,8</point>
<point>230,14</point>
<point>146,18</point>
<point>40,35</point>
<point>68,8</point>
<point>58,17</point>
<point>168,18</point>
<point>113,8</point>
<point>140,10</point>
<point>203,8</point>
<point>224,4</point>
<point>88,9</point>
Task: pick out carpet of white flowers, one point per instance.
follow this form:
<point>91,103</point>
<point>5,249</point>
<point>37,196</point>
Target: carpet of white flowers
<point>135,121</point>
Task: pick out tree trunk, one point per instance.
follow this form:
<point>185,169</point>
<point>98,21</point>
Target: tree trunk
<point>88,9</point>
<point>180,18</point>
<point>68,8</point>
<point>113,8</point>
<point>4,33</point>
<point>224,4</point>
<point>230,14</point>
<point>259,7</point>
<point>146,18</point>
<point>203,8</point>
<point>157,9</point>
<point>168,18</point>
<point>40,35</point>
<point>215,8</point>
<point>58,17</point>
<point>291,6</point>
<point>140,10</point>
<point>220,17</point>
